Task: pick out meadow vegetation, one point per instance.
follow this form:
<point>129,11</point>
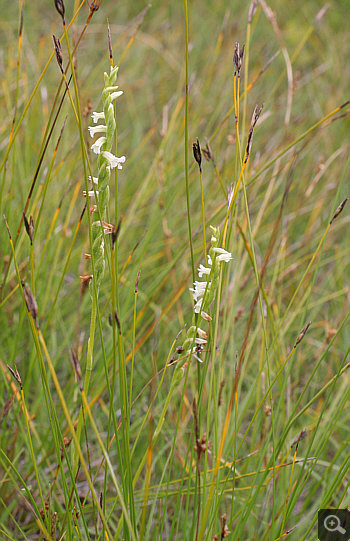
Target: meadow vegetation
<point>132,407</point>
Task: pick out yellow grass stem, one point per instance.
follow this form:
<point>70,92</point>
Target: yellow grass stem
<point>203,216</point>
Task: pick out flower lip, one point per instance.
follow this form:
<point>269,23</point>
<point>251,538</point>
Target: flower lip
<point>198,306</point>
<point>97,116</point>
<point>203,270</point>
<point>91,193</point>
<point>93,179</point>
<point>115,95</point>
<point>206,316</point>
<point>100,128</point>
<point>201,333</point>
<point>96,147</point>
<point>199,289</point>
<point>113,160</point>
<point>224,255</point>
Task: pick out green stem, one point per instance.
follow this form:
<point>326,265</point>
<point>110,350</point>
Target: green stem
<point>186,143</point>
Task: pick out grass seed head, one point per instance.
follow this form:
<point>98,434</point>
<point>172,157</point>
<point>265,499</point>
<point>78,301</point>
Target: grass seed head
<point>339,209</point>
<point>30,302</point>
<point>238,58</point>
<point>60,8</point>
<point>15,374</point>
<point>197,153</point>
<point>302,333</point>
<point>58,51</point>
<point>29,227</point>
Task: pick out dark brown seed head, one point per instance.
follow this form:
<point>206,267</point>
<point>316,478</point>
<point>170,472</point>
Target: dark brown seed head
<point>339,209</point>
<point>58,51</point>
<point>31,303</point>
<point>15,374</point>
<point>299,437</point>
<point>29,227</point>
<point>60,8</point>
<point>238,58</point>
<point>302,333</point>
<point>256,114</point>
<point>197,153</point>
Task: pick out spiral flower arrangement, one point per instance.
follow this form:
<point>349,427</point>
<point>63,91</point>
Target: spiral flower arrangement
<point>203,293</point>
<point>105,162</point>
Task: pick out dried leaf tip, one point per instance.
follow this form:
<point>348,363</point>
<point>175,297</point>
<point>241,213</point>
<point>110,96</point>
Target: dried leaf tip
<point>252,10</point>
<point>85,280</point>
<point>58,51</point>
<point>197,153</point>
<point>21,24</point>
<point>29,227</point>
<point>137,281</point>
<point>339,209</point>
<point>109,43</point>
<point>302,333</point>
<point>60,8</point>
<point>31,303</point>
<point>321,13</point>
<point>238,58</point>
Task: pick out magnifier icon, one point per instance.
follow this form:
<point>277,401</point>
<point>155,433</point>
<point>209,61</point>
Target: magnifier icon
<point>332,524</point>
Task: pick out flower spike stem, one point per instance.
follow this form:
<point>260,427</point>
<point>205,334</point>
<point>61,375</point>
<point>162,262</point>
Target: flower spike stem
<point>105,162</point>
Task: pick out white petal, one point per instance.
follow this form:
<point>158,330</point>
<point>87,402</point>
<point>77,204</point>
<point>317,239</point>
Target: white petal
<point>97,116</point>
<point>197,306</point>
<point>225,257</point>
<point>203,270</point>
<point>193,354</point>
<point>223,254</point>
<point>201,333</point>
<point>97,129</point>
<point>114,161</point>
<point>200,341</point>
<point>96,147</point>
<point>91,193</point>
<point>116,95</point>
